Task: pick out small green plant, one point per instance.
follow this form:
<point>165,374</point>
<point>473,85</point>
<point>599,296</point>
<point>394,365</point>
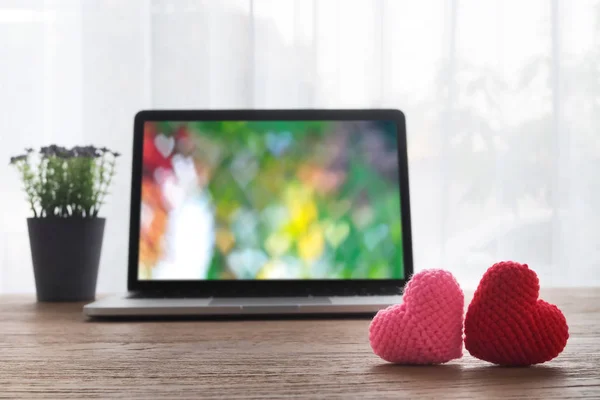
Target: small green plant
<point>66,183</point>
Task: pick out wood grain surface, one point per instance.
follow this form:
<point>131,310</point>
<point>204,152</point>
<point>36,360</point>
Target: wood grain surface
<point>51,351</point>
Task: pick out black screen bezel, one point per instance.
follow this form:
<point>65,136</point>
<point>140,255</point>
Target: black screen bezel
<point>290,287</point>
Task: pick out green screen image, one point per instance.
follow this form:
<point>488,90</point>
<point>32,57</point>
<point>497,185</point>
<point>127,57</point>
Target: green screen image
<point>270,200</point>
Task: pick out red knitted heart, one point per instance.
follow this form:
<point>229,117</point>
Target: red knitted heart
<point>506,324</point>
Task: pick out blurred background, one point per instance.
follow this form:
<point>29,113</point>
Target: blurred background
<point>270,200</point>
<point>502,99</point>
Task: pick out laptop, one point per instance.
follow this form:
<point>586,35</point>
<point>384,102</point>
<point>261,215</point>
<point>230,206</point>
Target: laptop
<point>258,212</point>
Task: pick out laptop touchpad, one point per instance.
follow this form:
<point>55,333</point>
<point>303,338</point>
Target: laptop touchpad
<point>268,301</point>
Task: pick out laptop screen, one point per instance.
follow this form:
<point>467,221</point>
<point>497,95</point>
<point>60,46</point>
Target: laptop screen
<point>260,200</point>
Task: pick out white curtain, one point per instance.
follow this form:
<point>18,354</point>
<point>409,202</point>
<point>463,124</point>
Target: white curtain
<point>502,99</point>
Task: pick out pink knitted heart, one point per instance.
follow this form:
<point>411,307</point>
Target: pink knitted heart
<point>427,327</point>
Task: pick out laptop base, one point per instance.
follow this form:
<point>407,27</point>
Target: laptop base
<point>122,306</point>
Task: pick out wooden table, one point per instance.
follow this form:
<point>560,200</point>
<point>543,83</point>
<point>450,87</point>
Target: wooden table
<point>50,351</point>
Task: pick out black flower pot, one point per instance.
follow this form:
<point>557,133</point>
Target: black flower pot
<point>65,254</point>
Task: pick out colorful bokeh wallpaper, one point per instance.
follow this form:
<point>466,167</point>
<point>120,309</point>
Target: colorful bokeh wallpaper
<point>270,200</point>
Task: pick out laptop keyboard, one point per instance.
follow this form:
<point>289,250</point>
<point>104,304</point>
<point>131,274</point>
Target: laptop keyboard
<point>249,292</point>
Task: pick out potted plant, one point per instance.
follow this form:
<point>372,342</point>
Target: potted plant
<point>65,189</point>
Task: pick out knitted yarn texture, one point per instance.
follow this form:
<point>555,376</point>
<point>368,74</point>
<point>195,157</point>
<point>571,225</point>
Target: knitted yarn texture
<point>506,323</point>
<point>427,327</point>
